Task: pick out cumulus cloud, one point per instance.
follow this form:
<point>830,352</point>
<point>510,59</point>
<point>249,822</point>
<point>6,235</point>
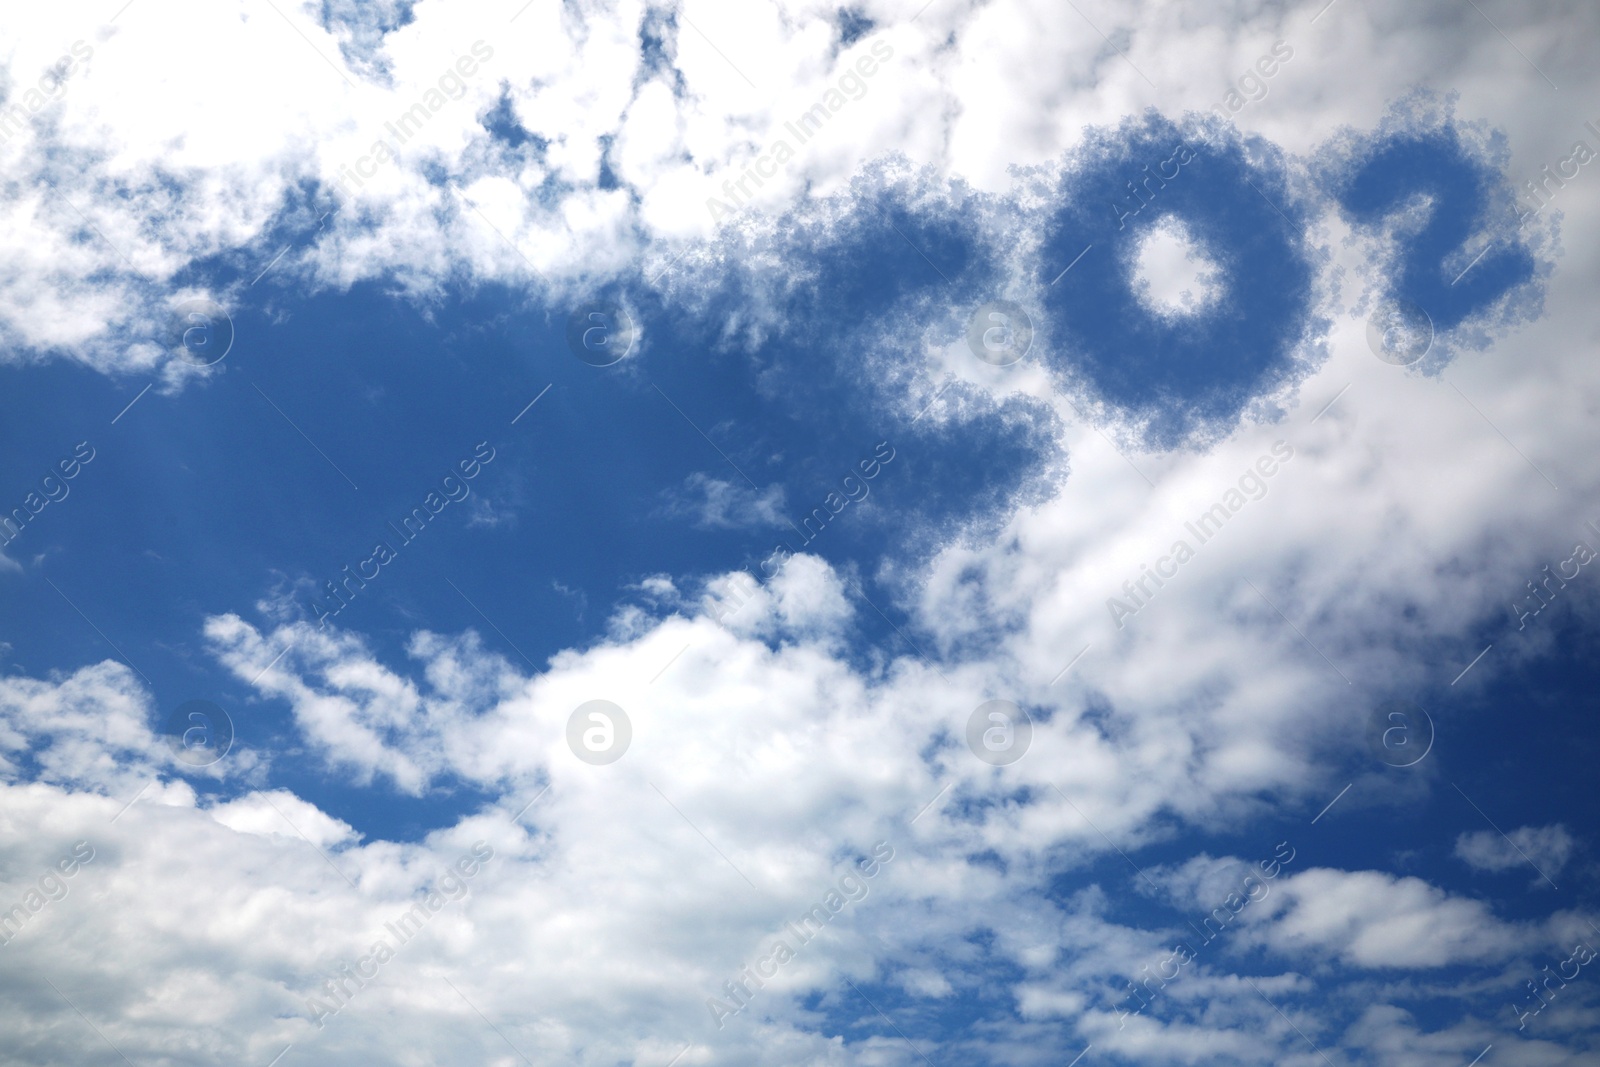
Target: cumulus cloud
<point>719,504</point>
<point>79,727</point>
<point>95,729</point>
<point>773,739</point>
<point>1373,919</point>
<point>555,142</point>
<point>1546,848</point>
<point>281,812</point>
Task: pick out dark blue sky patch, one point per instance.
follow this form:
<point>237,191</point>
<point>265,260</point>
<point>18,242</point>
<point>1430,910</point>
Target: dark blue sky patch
<point>362,26</point>
<point>783,362</point>
<point>658,49</point>
<point>854,24</point>
<point>846,263</point>
<point>502,125</point>
<point>321,394</point>
<point>608,175</point>
<point>1177,374</point>
<point>1437,188</point>
<point>823,319</point>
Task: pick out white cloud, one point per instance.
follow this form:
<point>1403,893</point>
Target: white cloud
<point>620,903</point>
<point>281,812</point>
<point>925,983</point>
<point>720,504</point>
<point>1372,919</point>
<point>1546,848</point>
<point>609,913</point>
<point>129,174</point>
<point>1172,273</point>
<point>93,729</point>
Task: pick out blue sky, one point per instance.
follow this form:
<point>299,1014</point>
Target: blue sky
<point>1205,436</point>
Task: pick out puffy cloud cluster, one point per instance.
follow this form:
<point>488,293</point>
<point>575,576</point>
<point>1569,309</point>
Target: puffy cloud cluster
<point>1547,848</point>
<point>771,747</point>
<point>588,137</point>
